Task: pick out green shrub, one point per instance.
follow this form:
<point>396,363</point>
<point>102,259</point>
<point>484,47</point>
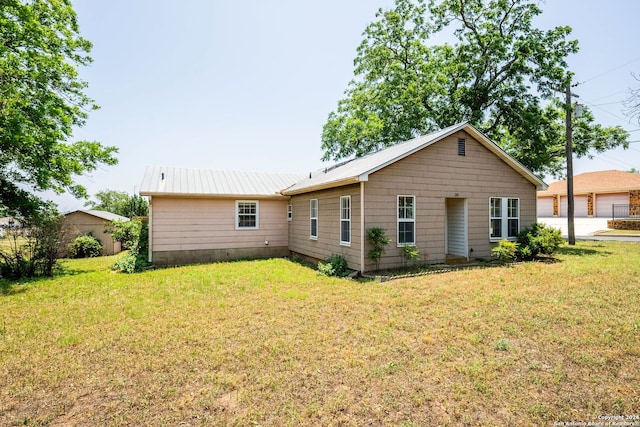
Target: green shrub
<point>138,238</point>
<point>126,264</point>
<point>126,232</point>
<point>505,250</point>
<point>335,265</point>
<point>538,240</point>
<point>85,246</point>
<point>409,253</point>
<point>378,240</point>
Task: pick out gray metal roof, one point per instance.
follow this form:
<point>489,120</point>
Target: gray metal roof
<point>161,180</point>
<point>358,169</point>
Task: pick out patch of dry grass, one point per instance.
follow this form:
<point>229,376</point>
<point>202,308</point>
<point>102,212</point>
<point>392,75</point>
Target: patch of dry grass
<point>272,343</point>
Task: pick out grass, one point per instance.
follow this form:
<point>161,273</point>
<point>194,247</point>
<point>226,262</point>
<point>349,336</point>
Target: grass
<point>619,233</point>
<point>272,343</point>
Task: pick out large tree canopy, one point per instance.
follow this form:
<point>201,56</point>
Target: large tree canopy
<point>41,100</point>
<point>499,75</point>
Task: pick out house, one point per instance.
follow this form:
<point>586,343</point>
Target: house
<point>594,194</point>
<point>452,193</point>
<point>198,215</point>
<point>92,222</point>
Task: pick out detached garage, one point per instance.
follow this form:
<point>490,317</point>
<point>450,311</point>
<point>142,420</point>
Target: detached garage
<point>594,194</point>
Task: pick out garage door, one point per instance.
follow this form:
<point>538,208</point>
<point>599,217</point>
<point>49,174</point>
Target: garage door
<point>580,208</point>
<point>545,207</point>
<point>604,202</point>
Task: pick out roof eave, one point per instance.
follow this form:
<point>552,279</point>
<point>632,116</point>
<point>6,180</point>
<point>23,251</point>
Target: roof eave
<point>323,186</point>
<point>213,196</point>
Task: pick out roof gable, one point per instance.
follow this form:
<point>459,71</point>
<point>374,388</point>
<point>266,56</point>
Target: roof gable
<point>359,169</point>
<point>160,180</point>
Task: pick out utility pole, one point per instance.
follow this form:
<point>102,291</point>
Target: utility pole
<point>569,154</point>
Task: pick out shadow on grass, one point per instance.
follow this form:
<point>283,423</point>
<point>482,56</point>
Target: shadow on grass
<point>573,251</point>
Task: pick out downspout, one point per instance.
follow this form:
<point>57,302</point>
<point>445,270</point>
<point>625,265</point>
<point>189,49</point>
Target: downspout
<point>150,225</point>
<point>362,231</point>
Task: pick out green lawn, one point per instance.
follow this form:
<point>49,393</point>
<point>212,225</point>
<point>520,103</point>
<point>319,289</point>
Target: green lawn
<point>272,343</point>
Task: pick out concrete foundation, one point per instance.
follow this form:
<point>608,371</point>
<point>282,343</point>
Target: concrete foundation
<point>202,256</point>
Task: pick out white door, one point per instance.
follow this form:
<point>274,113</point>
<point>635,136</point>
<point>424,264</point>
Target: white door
<point>545,207</point>
<point>604,202</point>
<point>580,207</point>
<point>457,227</point>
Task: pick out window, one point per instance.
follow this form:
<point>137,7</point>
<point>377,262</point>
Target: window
<point>289,212</point>
<point>504,218</point>
<point>406,220</point>
<point>345,220</point>
<point>462,147</point>
<point>246,215</point>
<point>313,214</point>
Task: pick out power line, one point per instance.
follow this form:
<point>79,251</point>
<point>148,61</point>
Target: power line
<point>610,71</point>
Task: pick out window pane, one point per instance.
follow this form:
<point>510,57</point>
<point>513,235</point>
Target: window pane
<point>345,231</point>
<point>405,233</point>
<point>314,227</point>
<point>246,221</point>
<point>513,227</point>
<point>513,208</point>
<point>496,207</point>
<point>496,228</point>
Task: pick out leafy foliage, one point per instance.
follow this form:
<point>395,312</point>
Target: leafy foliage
<point>119,202</point>
<point>42,100</point>
<point>85,246</point>
<point>409,253</point>
<point>126,232</point>
<point>532,242</point>
<point>498,75</point>
<point>538,239</point>
<point>32,248</point>
<point>505,250</point>
<point>335,265</point>
<point>378,240</point>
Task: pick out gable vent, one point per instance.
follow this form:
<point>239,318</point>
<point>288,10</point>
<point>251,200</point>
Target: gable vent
<point>461,147</point>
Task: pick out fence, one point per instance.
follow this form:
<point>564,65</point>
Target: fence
<point>625,211</point>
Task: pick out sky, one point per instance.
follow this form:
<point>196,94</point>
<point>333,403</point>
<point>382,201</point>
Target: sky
<point>248,85</point>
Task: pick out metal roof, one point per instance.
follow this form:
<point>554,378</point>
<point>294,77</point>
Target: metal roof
<point>101,214</point>
<point>161,180</point>
<point>359,169</point>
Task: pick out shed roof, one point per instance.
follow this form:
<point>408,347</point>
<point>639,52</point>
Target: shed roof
<point>359,169</point>
<point>108,216</point>
<point>161,180</point>
<point>609,181</point>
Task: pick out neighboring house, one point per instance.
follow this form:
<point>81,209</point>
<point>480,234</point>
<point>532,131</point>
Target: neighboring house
<point>92,222</point>
<point>452,193</point>
<point>204,215</point>
<point>594,194</point>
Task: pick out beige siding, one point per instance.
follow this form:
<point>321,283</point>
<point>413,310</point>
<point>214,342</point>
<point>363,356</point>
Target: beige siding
<point>328,241</point>
<point>187,224</point>
<point>79,223</point>
<point>433,175</point>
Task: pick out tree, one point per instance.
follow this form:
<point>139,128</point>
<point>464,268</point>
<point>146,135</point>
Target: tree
<point>119,202</point>
<point>633,102</point>
<point>499,75</point>
<point>41,100</point>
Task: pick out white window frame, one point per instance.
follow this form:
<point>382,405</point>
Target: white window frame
<point>313,215</point>
<point>504,217</point>
<point>345,218</point>
<point>405,220</point>
<point>257,214</point>
<point>289,212</point>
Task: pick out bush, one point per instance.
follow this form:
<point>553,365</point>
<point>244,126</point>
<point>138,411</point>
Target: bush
<point>335,265</point>
<point>126,264</point>
<point>126,232</point>
<point>137,236</point>
<point>85,246</point>
<point>409,253</point>
<point>538,239</point>
<point>378,240</point>
<point>505,250</point>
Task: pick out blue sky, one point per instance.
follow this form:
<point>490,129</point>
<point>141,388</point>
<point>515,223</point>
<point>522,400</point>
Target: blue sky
<point>248,85</point>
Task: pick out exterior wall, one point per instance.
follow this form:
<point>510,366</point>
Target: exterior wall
<point>434,174</point>
<point>192,230</point>
<point>328,241</point>
<point>79,223</point>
